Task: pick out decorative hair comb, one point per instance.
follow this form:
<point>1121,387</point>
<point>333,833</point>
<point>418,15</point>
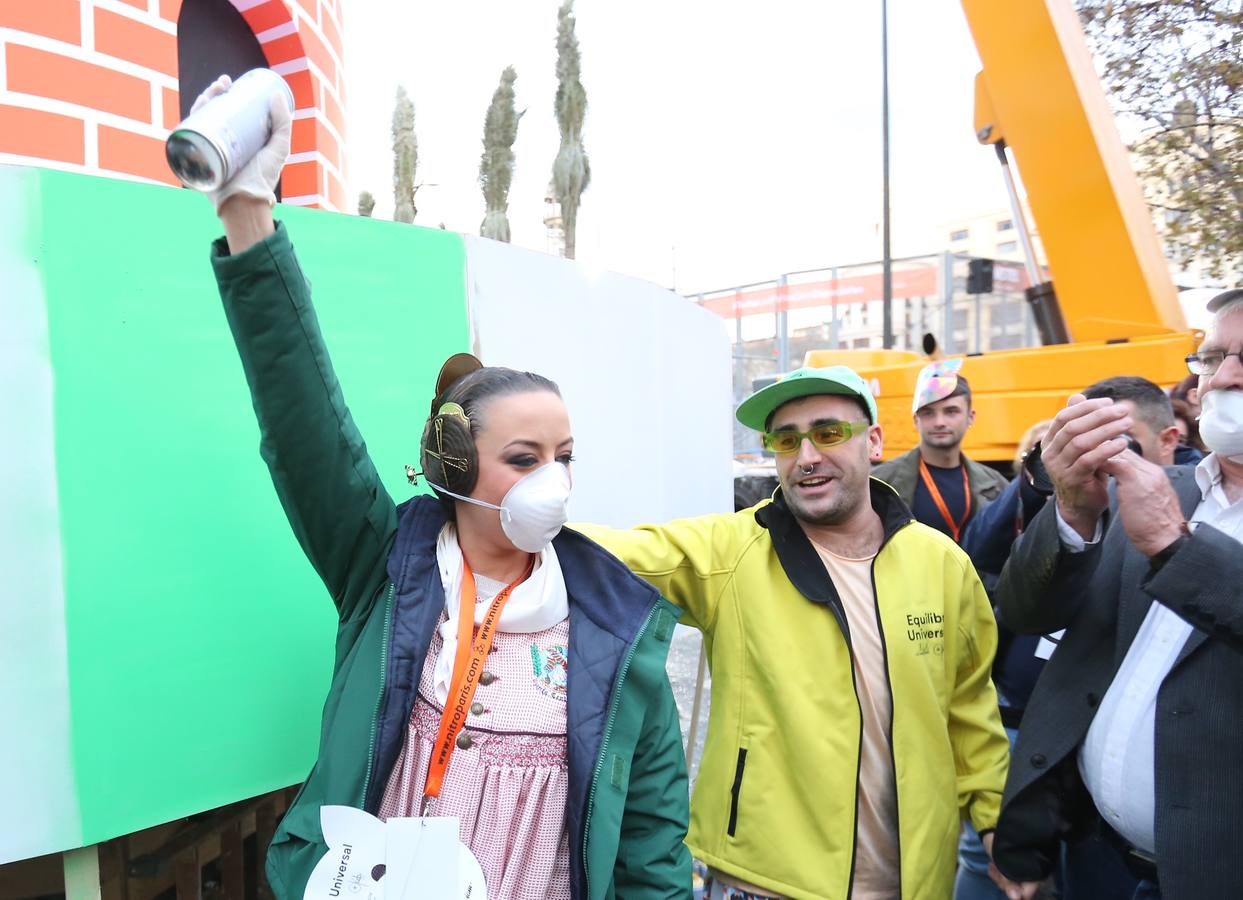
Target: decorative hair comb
<point>455,410</point>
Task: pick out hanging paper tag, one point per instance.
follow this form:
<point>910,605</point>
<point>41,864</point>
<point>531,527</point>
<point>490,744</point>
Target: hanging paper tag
<point>354,865</point>
<point>470,875</point>
<point>420,858</point>
<point>399,859</point>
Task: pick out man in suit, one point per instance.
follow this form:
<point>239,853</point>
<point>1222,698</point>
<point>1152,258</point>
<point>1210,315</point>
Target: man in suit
<point>1135,727</point>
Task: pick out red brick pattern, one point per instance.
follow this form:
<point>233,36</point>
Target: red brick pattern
<point>43,74</point>
<point>58,19</point>
<point>336,192</point>
<point>317,52</point>
<point>29,132</point>
<point>310,136</point>
<point>300,179</point>
<point>102,101</point>
<point>129,39</point>
<point>266,15</point>
<point>172,108</point>
<point>311,59</point>
<point>334,113</point>
<point>133,154</point>
<point>333,35</point>
<point>303,84</point>
<point>284,49</point>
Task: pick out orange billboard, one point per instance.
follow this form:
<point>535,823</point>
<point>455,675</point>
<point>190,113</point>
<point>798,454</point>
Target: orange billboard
<point>907,283</point>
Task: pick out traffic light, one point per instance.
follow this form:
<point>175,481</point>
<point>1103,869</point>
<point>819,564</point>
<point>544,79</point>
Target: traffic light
<point>980,276</point>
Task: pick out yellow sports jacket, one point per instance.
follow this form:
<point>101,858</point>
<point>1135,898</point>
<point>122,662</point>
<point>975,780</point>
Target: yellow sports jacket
<point>775,799</point>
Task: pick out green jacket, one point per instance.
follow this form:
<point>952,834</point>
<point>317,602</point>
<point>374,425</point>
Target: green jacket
<point>902,474</point>
<point>776,794</point>
<point>627,808</point>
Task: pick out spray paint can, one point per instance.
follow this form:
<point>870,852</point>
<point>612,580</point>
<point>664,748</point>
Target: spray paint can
<point>209,147</point>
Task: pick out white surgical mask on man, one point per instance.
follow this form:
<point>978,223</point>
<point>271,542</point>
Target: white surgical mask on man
<point>534,509</point>
<point>1221,423</point>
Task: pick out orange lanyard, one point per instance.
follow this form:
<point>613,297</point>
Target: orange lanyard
<point>472,653</point>
<point>955,527</point>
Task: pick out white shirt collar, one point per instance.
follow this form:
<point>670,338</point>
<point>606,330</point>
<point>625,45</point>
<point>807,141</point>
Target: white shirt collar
<point>1208,474</point>
<point>1212,487</point>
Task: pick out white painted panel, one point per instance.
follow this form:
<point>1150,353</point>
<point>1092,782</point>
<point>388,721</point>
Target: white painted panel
<point>644,372</point>
<point>36,769</point>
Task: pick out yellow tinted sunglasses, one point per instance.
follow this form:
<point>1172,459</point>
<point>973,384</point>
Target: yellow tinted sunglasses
<point>823,436</point>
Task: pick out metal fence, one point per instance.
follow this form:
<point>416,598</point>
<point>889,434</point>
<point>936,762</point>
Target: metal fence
<point>774,323</point>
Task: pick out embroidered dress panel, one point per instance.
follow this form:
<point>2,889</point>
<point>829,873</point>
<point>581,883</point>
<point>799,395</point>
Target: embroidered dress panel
<point>507,780</point>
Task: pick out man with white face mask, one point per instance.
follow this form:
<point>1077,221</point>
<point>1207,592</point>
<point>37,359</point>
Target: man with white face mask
<point>1135,727</point>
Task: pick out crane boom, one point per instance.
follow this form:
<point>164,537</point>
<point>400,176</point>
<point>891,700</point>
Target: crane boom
<point>1040,94</point>
<point>1115,301</point>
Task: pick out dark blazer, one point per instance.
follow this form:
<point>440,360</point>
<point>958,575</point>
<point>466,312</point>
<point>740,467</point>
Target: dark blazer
<point>1101,597</point>
<point>991,533</point>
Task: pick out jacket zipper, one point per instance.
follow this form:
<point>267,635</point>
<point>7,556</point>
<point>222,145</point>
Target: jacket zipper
<point>732,826</point>
<point>608,730</point>
<point>839,613</point>
<point>893,759</point>
<point>375,717</point>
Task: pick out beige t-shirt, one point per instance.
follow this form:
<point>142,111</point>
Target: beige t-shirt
<point>876,848</point>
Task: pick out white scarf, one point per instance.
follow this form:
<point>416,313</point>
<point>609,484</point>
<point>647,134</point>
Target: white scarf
<point>537,604</point>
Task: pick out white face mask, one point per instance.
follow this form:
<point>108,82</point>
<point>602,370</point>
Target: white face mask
<point>1221,423</point>
<point>534,509</point>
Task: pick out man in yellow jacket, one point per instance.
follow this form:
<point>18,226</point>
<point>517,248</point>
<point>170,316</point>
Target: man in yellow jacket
<point>853,723</point>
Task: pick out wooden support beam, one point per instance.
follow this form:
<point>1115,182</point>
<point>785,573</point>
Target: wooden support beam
<point>265,828</point>
<point>122,846</point>
<point>232,862</point>
<point>189,877</point>
<point>82,874</point>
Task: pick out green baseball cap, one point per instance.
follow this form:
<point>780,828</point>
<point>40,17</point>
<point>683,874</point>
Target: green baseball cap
<point>805,382</point>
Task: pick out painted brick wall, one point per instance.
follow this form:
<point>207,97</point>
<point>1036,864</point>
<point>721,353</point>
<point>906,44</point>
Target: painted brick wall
<point>91,86</point>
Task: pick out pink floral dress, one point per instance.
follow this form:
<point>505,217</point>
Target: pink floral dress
<point>508,788</point>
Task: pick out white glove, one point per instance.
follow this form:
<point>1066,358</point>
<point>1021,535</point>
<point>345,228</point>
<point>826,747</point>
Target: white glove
<point>259,176</point>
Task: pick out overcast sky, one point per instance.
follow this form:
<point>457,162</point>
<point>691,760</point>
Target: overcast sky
<point>736,141</point>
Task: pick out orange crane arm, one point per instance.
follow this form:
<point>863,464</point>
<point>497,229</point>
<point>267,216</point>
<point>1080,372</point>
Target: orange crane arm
<point>1040,94</point>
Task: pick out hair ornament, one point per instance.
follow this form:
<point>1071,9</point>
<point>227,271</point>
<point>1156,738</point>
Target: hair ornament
<point>455,410</point>
<point>461,463</point>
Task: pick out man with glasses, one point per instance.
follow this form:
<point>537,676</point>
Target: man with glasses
<point>1135,727</point>
<point>853,722</point>
<point>942,486</point>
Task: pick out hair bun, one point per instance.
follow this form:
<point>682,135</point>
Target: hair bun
<point>449,455</point>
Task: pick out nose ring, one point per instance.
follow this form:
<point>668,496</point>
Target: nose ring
<point>807,470</point>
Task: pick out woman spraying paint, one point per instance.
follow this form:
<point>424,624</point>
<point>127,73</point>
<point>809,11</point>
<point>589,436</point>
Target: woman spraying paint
<point>491,666</point>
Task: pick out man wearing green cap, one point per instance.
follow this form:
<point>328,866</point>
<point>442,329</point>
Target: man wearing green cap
<point>853,721</point>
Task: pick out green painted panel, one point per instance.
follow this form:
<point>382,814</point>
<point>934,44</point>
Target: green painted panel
<point>199,639</point>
